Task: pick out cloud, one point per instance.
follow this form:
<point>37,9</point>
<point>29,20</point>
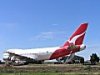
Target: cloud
<point>48,35</point>
<point>8,25</point>
<point>44,35</point>
<point>55,24</point>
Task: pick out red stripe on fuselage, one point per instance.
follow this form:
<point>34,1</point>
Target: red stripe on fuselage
<point>63,52</point>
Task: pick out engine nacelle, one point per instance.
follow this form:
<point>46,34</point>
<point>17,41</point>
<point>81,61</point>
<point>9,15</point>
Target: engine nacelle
<point>6,56</point>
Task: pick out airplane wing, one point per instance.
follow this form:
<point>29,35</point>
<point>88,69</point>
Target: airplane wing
<point>23,56</point>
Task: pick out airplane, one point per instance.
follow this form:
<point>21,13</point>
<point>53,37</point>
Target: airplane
<point>39,55</point>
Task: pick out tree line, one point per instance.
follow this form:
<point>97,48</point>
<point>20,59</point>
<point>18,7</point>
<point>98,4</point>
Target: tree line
<point>94,59</point>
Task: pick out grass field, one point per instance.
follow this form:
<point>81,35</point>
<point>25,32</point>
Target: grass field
<point>51,69</point>
<point>89,73</point>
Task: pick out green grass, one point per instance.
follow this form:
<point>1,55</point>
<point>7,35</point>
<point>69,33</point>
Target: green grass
<point>50,73</point>
<point>51,69</point>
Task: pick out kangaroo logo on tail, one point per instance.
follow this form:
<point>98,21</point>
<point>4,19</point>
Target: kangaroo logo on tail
<point>78,36</point>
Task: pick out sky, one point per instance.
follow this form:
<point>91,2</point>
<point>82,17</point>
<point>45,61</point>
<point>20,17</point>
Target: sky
<point>46,23</point>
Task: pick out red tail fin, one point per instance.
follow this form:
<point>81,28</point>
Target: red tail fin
<point>78,36</point>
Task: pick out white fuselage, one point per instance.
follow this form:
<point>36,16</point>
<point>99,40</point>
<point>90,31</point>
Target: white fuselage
<point>36,54</point>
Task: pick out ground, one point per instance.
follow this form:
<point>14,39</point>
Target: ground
<point>50,69</point>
